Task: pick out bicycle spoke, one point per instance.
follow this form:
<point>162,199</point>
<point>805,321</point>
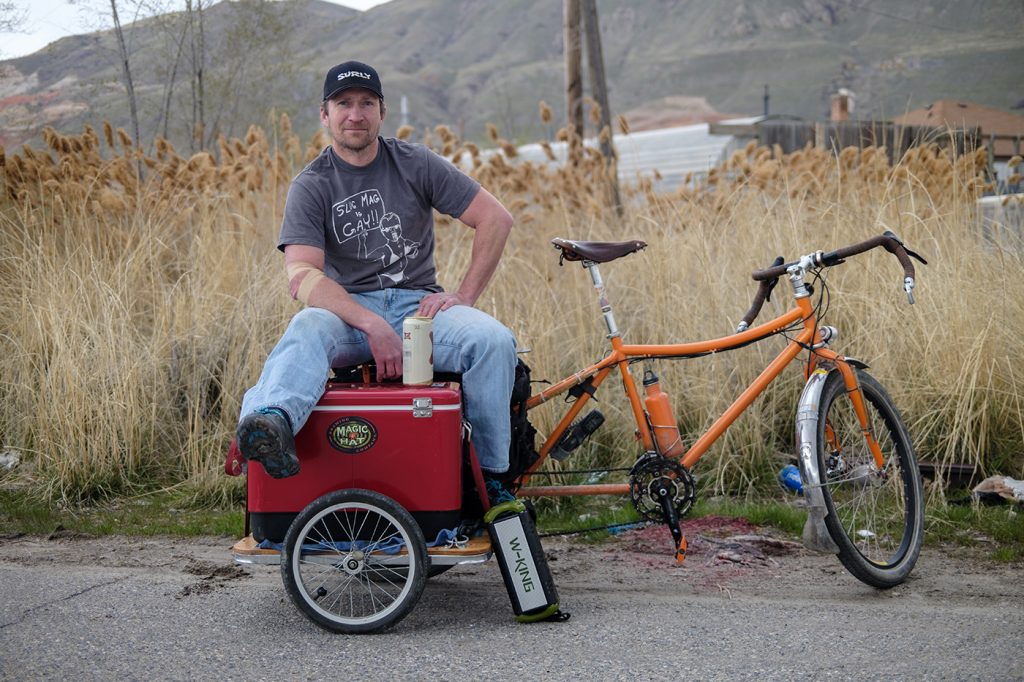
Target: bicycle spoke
<point>373,599</point>
<point>342,588</point>
<point>372,543</point>
<point>383,576</point>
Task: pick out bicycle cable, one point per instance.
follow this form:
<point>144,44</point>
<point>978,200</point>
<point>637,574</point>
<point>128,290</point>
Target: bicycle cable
<point>580,471</point>
<point>821,306</point>
<point>824,298</point>
<point>628,525</point>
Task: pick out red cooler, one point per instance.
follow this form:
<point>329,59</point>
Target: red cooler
<point>401,441</point>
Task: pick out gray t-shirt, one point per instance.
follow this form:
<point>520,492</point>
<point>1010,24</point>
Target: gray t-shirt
<point>375,223</point>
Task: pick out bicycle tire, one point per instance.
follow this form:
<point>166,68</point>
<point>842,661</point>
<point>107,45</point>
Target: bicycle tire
<point>876,518</point>
<point>335,570</point>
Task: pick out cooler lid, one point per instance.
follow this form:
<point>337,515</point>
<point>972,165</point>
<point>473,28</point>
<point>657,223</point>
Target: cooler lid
<point>442,396</point>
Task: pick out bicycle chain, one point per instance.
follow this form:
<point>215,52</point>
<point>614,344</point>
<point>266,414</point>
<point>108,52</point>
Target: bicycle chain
<point>580,471</point>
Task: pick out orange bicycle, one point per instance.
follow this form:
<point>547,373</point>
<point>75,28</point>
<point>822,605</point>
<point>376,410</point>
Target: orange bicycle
<point>858,468</point>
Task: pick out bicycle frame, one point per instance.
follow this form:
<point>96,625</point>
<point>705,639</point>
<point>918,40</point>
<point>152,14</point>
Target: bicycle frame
<point>622,354</point>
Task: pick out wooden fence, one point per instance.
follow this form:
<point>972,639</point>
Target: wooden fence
<point>837,135</point>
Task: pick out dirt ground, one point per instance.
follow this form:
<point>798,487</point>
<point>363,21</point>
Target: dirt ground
<point>726,555</point>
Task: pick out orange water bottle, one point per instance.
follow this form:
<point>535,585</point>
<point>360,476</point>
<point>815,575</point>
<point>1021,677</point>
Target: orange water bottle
<point>666,431</point>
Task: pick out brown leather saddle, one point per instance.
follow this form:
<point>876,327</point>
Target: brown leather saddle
<point>595,252</point>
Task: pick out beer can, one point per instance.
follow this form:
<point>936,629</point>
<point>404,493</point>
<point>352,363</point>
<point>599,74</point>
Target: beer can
<point>417,351</point>
<point>790,478</point>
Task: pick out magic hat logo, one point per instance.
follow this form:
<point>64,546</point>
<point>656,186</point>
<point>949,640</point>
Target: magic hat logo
<point>352,435</point>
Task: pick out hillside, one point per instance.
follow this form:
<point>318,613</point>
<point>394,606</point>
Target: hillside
<point>469,62</point>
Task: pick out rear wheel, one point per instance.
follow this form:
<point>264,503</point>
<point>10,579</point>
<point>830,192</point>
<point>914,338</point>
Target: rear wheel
<point>354,561</point>
<point>875,516</point>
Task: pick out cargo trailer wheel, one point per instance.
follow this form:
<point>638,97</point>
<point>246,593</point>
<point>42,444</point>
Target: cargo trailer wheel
<point>354,561</point>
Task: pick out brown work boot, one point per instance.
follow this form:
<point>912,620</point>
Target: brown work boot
<point>265,436</point>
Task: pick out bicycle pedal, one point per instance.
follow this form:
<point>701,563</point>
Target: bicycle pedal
<point>681,551</point>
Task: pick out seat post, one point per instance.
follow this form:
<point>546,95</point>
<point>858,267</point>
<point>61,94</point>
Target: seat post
<point>606,307</point>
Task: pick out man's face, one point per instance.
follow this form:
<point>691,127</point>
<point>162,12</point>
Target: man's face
<point>353,118</point>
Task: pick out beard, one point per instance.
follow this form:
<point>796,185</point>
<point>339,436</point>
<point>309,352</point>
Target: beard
<point>356,143</point>
<point>355,146</point>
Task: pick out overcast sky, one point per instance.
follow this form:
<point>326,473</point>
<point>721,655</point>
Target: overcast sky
<point>49,20</point>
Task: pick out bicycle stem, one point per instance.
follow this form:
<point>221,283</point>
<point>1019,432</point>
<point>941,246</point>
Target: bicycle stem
<point>796,276</point>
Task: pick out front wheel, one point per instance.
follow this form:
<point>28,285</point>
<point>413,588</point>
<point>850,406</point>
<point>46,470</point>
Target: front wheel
<point>354,561</point>
<point>875,515</point>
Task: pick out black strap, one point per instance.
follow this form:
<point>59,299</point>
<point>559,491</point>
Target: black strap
<point>577,391</point>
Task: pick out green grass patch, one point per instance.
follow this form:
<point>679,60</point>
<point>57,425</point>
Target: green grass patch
<point>586,516</point>
<point>162,513</point>
<point>998,529</point>
<point>770,513</point>
<point>589,515</point>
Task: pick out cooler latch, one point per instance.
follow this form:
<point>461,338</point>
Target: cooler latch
<point>422,407</point>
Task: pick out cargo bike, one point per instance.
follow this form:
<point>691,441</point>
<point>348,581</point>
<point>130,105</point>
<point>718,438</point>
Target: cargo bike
<point>389,490</point>
<point>388,493</point>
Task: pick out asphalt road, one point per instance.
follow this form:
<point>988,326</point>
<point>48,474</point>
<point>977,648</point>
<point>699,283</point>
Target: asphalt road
<point>122,608</point>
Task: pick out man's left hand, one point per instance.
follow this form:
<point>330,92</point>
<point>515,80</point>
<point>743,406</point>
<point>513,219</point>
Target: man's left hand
<point>432,304</point>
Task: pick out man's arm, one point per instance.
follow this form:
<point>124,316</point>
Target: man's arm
<point>325,293</point>
<point>492,223</point>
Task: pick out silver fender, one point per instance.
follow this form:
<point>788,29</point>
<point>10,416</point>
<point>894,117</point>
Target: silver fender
<point>815,537</point>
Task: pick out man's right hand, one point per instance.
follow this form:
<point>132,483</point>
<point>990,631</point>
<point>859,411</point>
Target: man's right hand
<point>386,346</point>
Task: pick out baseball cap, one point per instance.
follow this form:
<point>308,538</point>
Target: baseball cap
<point>351,75</point>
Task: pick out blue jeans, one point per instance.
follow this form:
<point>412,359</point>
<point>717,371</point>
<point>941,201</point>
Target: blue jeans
<point>466,340</point>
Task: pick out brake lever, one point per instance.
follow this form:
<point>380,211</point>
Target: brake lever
<point>912,254</point>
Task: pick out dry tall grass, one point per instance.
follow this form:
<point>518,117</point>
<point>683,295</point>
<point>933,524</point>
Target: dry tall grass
<point>137,312</point>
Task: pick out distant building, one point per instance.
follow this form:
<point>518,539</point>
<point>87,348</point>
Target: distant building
<point>1002,131</point>
<point>666,155</point>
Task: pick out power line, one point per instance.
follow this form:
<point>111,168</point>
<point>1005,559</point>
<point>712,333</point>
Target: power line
<point>918,22</point>
<point>909,21</point>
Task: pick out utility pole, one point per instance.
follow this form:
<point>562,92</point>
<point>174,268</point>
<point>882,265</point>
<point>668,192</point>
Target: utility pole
<point>595,60</point>
<point>573,59</point>
<point>127,72</point>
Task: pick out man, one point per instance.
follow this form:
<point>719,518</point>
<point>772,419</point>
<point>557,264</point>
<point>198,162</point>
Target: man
<point>358,240</point>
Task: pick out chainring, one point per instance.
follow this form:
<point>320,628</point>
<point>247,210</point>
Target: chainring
<point>649,475</point>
